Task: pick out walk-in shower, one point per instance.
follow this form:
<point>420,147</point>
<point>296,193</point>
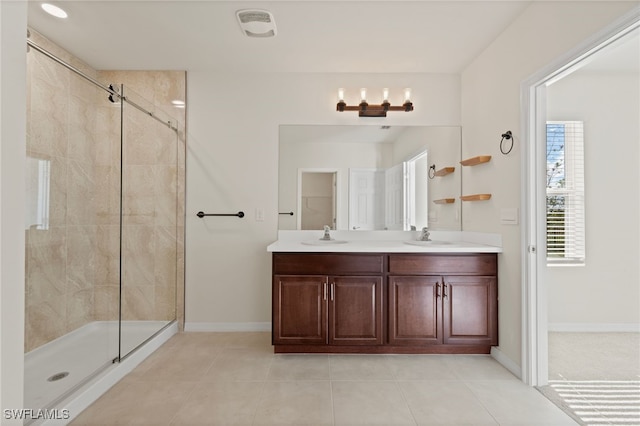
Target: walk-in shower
<point>103,225</point>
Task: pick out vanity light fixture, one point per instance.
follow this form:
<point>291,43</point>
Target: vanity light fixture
<point>368,110</point>
<point>54,10</point>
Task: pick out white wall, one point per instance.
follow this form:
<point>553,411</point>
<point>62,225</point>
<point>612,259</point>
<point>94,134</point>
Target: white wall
<point>491,106</point>
<point>232,164</point>
<point>605,293</point>
<point>13,113</point>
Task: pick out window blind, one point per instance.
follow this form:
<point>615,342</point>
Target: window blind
<point>565,192</point>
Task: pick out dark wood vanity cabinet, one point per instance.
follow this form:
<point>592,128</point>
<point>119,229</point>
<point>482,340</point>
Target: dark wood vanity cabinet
<point>443,299</point>
<point>442,310</point>
<point>342,308</point>
<point>355,310</point>
<point>300,309</point>
<point>415,310</point>
<point>384,303</point>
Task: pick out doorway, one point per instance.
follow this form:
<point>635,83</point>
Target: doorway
<point>537,307</point>
<point>317,199</point>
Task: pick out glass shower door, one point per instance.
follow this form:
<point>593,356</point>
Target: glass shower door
<point>149,221</point>
<point>71,231</point>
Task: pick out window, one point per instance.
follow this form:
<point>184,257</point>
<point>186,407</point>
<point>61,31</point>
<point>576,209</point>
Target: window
<point>565,193</point>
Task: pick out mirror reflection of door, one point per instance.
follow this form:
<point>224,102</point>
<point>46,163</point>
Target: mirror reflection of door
<point>395,197</point>
<point>366,199</point>
<point>406,194</point>
<point>417,203</point>
<point>317,200</point>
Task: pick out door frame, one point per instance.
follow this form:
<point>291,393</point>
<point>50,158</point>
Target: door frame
<point>337,202</point>
<point>535,358</point>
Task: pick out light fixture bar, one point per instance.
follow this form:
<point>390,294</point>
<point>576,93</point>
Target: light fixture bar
<point>367,110</point>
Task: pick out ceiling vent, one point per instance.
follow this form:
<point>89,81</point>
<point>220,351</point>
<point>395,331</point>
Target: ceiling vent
<point>256,23</point>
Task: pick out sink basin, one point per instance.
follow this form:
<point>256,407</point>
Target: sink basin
<point>323,242</point>
<point>430,243</point>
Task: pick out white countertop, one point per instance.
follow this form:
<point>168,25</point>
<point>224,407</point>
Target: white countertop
<point>385,242</point>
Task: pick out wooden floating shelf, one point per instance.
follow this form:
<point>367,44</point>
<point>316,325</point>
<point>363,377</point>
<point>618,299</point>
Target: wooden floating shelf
<point>476,160</point>
<point>445,171</point>
<point>476,197</point>
<point>445,201</point>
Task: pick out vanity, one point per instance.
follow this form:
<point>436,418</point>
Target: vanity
<point>374,288</point>
<point>384,296</point>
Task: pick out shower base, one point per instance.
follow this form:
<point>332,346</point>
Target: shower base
<point>82,361</point>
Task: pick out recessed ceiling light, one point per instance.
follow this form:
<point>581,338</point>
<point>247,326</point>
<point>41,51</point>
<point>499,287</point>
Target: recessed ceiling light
<point>54,10</point>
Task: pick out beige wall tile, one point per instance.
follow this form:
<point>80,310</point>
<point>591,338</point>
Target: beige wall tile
<point>45,321</point>
<point>81,257</point>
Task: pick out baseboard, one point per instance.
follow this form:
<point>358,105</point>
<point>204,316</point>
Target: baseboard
<point>580,327</point>
<point>506,362</point>
<point>227,326</point>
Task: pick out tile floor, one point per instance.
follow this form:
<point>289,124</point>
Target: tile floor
<point>235,379</point>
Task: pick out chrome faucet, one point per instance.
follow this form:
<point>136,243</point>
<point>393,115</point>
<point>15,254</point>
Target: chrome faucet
<point>326,235</point>
<point>424,235</point>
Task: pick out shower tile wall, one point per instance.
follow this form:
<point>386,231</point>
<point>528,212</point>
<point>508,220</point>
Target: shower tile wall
<point>59,254</point>
<point>72,266</point>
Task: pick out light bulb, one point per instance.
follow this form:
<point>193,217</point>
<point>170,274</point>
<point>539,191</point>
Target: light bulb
<point>385,95</point>
<point>340,95</point>
<point>54,10</point>
<point>363,95</point>
<point>407,95</point>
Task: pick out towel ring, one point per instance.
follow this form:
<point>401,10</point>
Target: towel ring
<point>508,136</point>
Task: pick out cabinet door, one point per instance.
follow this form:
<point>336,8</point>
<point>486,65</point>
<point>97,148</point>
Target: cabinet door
<point>470,310</point>
<point>355,310</point>
<point>415,315</point>
<point>300,309</point>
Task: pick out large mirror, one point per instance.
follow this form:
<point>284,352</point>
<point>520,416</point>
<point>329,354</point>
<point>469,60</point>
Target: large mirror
<point>369,177</point>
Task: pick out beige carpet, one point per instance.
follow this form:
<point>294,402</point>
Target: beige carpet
<point>595,377</point>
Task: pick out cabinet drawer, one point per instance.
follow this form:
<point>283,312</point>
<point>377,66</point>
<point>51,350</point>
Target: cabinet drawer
<point>429,264</point>
<point>328,264</point>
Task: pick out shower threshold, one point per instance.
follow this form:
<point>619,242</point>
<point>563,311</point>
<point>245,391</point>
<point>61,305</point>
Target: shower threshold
<point>54,371</point>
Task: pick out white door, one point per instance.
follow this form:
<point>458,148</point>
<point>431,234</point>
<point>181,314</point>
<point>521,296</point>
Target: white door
<point>395,187</point>
<point>366,199</point>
